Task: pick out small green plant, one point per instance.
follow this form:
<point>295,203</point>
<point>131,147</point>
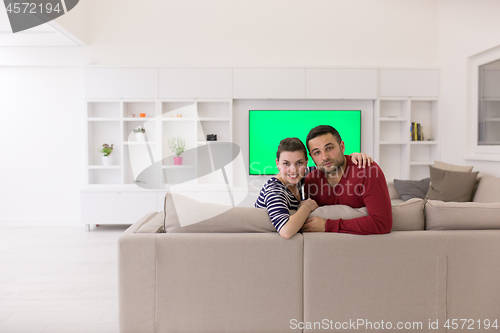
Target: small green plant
<point>177,145</point>
<point>139,130</point>
<point>106,149</point>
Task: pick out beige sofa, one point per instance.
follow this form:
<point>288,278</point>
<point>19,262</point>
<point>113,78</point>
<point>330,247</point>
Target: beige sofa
<point>260,282</point>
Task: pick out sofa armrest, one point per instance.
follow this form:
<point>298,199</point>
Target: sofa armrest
<point>393,193</point>
<point>136,280</point>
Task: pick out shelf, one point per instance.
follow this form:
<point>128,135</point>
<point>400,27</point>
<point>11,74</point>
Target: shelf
<point>103,119</point>
<point>422,163</point>
<point>137,118</point>
<point>178,166</point>
<point>207,142</point>
<point>423,142</point>
<point>103,167</point>
<point>214,119</point>
<point>393,119</point>
<point>392,143</point>
<point>492,119</point>
<point>179,119</point>
<point>139,142</point>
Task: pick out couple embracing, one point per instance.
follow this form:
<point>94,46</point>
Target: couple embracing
<point>352,180</point>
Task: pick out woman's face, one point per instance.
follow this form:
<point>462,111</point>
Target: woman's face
<point>292,166</point>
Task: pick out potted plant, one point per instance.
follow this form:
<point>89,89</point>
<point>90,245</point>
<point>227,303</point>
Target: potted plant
<point>177,145</point>
<point>139,133</point>
<point>107,159</point>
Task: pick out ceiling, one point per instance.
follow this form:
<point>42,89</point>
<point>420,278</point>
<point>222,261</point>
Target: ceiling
<point>42,35</point>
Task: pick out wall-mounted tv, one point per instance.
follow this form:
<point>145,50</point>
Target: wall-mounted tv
<point>268,127</point>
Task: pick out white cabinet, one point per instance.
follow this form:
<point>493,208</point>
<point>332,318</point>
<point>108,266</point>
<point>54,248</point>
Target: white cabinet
<point>121,83</point>
<point>338,83</point>
<point>195,83</point>
<point>116,207</point>
<point>269,83</point>
<point>409,83</point>
<point>396,153</point>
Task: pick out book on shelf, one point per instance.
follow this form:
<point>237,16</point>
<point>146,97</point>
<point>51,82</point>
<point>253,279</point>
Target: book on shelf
<point>417,132</point>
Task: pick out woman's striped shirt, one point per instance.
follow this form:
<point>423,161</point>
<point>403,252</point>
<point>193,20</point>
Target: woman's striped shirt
<point>279,200</point>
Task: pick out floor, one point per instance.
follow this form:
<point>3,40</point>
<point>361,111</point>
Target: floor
<point>59,279</point>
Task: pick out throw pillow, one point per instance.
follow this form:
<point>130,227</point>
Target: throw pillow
<point>451,167</point>
<point>408,216</point>
<point>451,185</point>
<point>212,217</point>
<point>441,215</point>
<point>409,189</point>
<point>152,223</point>
<point>335,212</point>
<point>488,190</point>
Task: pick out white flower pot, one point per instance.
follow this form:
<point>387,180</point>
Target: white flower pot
<point>107,160</point>
<point>140,137</point>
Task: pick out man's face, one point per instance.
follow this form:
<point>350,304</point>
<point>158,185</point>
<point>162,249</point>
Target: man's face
<point>327,153</point>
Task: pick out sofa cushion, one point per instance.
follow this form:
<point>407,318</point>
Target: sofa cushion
<point>441,215</point>
<point>152,223</point>
<point>212,217</point>
<point>488,190</point>
<point>451,185</point>
<point>451,167</point>
<point>408,215</point>
<point>409,189</point>
<point>336,212</point>
<point>393,193</point>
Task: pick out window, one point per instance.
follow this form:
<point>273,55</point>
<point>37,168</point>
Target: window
<point>489,104</point>
<point>483,112</point>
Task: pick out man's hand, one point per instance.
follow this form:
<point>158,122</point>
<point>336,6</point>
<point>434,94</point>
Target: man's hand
<point>361,159</point>
<point>314,224</point>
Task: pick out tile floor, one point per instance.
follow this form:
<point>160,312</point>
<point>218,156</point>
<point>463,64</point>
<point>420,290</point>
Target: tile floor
<point>59,279</point>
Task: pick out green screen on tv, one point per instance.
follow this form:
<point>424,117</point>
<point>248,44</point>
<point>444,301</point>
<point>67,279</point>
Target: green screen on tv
<point>268,127</point>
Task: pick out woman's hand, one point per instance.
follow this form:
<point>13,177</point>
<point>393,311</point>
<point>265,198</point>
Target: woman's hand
<point>310,203</point>
<point>361,159</point>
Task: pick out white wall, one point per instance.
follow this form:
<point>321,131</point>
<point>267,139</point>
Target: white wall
<point>257,33</point>
<point>465,28</point>
<point>41,145</point>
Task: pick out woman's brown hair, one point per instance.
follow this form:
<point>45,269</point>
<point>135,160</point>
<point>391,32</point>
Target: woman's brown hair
<point>291,144</point>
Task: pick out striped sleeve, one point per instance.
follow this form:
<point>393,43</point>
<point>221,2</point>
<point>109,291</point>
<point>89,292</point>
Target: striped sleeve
<point>277,207</point>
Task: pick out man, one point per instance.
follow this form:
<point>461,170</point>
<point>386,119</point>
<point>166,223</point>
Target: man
<point>337,181</point>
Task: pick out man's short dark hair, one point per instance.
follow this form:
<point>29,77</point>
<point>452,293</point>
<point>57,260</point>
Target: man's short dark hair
<point>322,130</point>
<point>291,144</point>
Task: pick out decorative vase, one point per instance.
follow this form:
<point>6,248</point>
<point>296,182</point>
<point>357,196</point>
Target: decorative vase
<point>178,160</point>
<point>107,160</point>
<point>140,137</point>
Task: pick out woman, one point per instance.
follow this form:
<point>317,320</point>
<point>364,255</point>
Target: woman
<point>283,193</point>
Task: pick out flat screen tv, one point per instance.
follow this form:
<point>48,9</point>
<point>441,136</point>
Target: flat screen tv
<point>268,127</point>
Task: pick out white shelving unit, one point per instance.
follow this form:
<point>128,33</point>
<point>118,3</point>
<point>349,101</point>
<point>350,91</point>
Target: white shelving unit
<point>113,121</point>
<point>399,157</point>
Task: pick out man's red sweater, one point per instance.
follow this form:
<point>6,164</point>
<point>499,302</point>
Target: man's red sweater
<point>365,187</point>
